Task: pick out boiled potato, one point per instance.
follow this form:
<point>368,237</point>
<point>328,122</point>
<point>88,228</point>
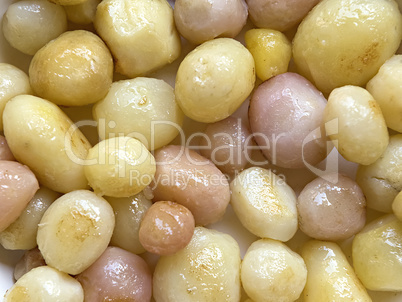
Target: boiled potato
<point>5,152</point>
<point>45,284</point>
<point>214,79</point>
<point>382,180</point>
<point>360,133</point>
<point>397,206</point>
<point>83,13</point>
<point>68,2</point>
<point>208,269</point>
<point>271,51</point>
<point>75,230</point>
<point>144,108</point>
<point>41,136</point>
<point>140,34</point>
<point>345,42</point>
<point>30,260</point>
<point>264,204</point>
<point>272,272</point>
<point>330,276</point>
<point>376,254</point>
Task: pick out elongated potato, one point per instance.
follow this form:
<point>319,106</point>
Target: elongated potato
<point>45,284</point>
<point>264,204</point>
<point>21,234</point>
<point>82,13</point>
<point>377,251</point>
<point>75,230</point>
<point>330,276</point>
<point>208,269</point>
<point>41,136</point>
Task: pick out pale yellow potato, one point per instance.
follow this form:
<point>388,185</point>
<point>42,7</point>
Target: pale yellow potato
<point>45,284</point>
<point>382,180</point>
<point>386,88</point>
<point>207,269</point>
<point>397,206</point>
<point>41,136</point>
<point>83,13</point>
<point>345,42</point>
<point>330,276</point>
<point>357,126</point>
<point>75,69</point>
<point>377,251</point>
<point>75,230</point>
<point>119,167</point>
<point>140,34</point>
<point>21,234</point>
<point>214,79</point>
<point>144,108</point>
<point>129,212</point>
<point>272,272</point>
<point>271,51</point>
<point>264,204</point>
<point>13,81</point>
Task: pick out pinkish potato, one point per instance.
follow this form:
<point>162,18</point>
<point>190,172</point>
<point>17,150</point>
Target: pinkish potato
<point>185,177</point>
<point>280,15</point>
<point>331,209</point>
<point>117,275</point>
<point>17,187</point>
<point>227,144</point>
<point>31,259</point>
<point>5,152</point>
<point>285,116</point>
<point>166,228</point>
<point>203,20</point>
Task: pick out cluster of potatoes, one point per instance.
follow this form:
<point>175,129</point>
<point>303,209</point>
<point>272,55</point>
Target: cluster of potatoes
<point>86,206</point>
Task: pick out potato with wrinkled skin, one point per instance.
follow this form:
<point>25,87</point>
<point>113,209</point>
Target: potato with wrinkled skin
<point>207,269</point>
<point>41,136</point>
<point>140,34</point>
<point>353,39</point>
<point>30,260</point>
<point>203,20</point>
<point>83,13</point>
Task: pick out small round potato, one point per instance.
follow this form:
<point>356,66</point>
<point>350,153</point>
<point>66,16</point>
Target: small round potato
<point>214,79</point>
<point>144,108</point>
<point>30,260</point>
<point>345,42</point>
<point>75,69</point>
<point>83,13</point>
<point>185,177</point>
<point>23,21</point>
<point>75,230</point>
<point>45,284</point>
<point>140,34</point>
<point>386,88</point>
<point>382,180</point>
<point>207,269</point>
<point>271,51</point>
<point>264,204</point>
<point>359,132</point>
<point>41,136</point>
<point>119,167</point>
<point>5,152</point>
<point>272,272</point>
<point>203,20</point>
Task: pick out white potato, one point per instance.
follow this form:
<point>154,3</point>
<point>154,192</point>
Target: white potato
<point>83,13</point>
<point>21,234</point>
<point>75,230</point>
<point>330,276</point>
<point>45,284</point>
<point>377,251</point>
<point>129,212</point>
<point>23,21</point>
<point>344,42</point>
<point>386,88</point>
<point>214,79</point>
<point>41,136</point>
<point>264,204</point>
<point>208,269</point>
<point>13,81</point>
<point>144,108</point>
<point>119,167</point>
<point>140,34</point>
<point>359,132</point>
<point>272,272</point>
